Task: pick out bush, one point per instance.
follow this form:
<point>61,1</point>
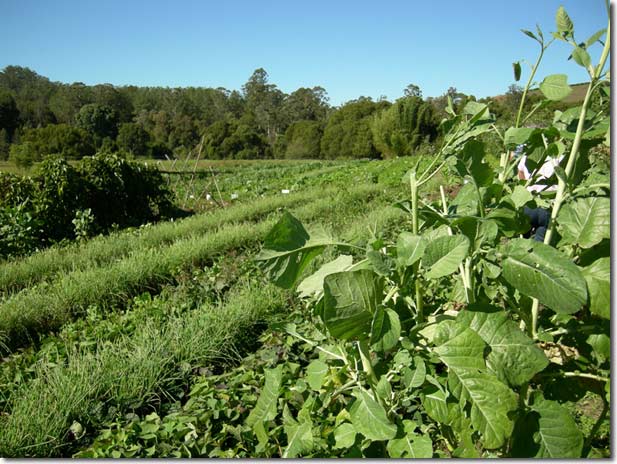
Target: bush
<point>19,231</point>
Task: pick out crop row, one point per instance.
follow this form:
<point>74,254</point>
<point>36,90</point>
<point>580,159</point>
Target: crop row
<point>18,274</point>
<point>138,368</point>
<point>47,307</point>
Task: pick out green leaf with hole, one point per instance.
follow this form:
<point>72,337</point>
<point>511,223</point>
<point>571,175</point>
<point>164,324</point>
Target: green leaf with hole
<point>411,445</point>
<point>409,249</point>
<point>598,278</point>
<point>265,409</point>
<point>369,418</point>
<point>586,221</point>
<point>385,329</point>
<point>540,271</point>
<point>350,300</point>
<point>558,435</point>
<point>288,249</point>
<point>555,87</point>
<point>514,357</point>
<point>313,284</point>
<point>443,255</point>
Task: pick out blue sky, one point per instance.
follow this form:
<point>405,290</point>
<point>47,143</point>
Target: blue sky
<point>351,48</point>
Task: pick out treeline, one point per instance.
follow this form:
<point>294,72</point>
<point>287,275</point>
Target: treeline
<point>39,117</point>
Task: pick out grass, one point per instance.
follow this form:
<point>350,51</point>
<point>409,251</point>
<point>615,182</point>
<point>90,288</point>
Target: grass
<point>139,369</point>
<point>45,308</point>
<point>44,265</point>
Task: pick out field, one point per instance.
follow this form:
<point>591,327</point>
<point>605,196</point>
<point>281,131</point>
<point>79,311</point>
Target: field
<point>127,323</point>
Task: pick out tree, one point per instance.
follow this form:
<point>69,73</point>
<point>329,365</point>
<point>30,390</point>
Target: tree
<point>402,127</point>
<point>133,139</point>
<point>412,90</point>
<point>61,139</point>
<point>264,101</point>
<point>305,104</point>
<point>9,114</point>
<point>302,140</point>
<point>348,133</point>
<point>99,120</point>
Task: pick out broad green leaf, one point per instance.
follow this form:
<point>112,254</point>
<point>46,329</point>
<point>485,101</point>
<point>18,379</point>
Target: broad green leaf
<point>540,271</point>
<point>443,255</point>
<point>564,23</point>
<point>459,347</point>
<point>601,345</point>
<point>370,419</point>
<point>516,66</point>
<point>470,162</point>
<point>598,278</point>
<point>462,350</point>
<point>316,373</point>
<point>514,358</point>
<point>466,201</point>
<point>516,136</point>
<point>350,300</point>
<point>288,249</point>
<point>434,403</point>
<point>555,87</point>
<point>412,445</point>
<point>409,249</point>
<point>299,439</point>
<point>384,389</point>
<point>586,221</point>
<point>521,196</point>
<point>491,403</point>
<point>419,373</point>
<point>380,263</point>
<point>385,329</point>
<point>581,57</point>
<point>558,435</point>
<point>344,436</point>
<point>313,284</point>
<point>265,408</point>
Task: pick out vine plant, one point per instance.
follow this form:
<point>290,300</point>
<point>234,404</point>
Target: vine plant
<point>435,345</point>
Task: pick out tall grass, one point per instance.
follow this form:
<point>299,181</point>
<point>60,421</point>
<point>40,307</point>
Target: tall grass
<point>132,371</point>
<point>22,273</point>
<point>47,307</point>
<point>128,373</point>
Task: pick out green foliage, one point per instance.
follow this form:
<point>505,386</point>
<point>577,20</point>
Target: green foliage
<point>302,140</point>
<point>100,121</point>
<point>56,139</point>
<point>488,363</point>
<point>133,139</point>
<point>401,128</point>
<point>347,133</point>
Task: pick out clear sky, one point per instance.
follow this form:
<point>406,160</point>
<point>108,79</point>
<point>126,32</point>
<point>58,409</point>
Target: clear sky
<point>351,48</point>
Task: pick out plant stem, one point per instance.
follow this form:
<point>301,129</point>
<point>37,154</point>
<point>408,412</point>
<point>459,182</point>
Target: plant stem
<point>586,376</point>
<point>529,81</point>
<point>413,186</point>
<point>561,186</point>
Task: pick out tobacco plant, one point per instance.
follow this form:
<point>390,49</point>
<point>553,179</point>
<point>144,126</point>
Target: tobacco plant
<point>462,337</point>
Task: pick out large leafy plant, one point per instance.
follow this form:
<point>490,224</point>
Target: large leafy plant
<point>461,337</point>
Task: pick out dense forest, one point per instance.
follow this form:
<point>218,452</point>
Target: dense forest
<point>39,117</point>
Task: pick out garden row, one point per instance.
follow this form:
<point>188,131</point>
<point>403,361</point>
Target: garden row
<point>111,363</point>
